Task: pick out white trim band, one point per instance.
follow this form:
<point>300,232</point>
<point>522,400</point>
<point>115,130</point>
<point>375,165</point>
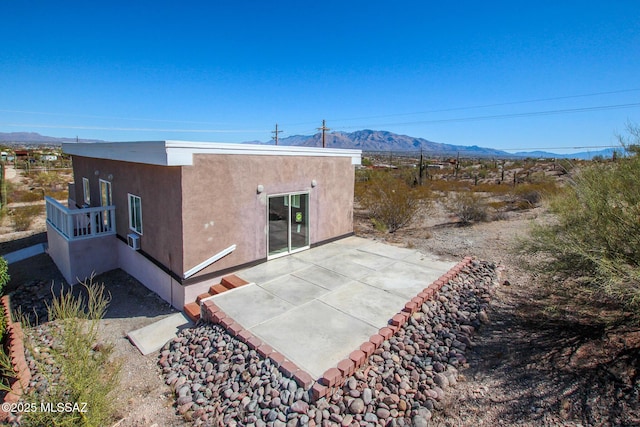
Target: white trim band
<point>208,262</point>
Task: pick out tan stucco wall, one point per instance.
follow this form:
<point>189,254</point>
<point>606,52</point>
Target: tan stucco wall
<point>159,188</point>
<point>191,213</point>
<point>221,206</point>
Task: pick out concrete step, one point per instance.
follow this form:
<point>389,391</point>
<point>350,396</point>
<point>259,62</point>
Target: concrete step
<point>192,310</point>
<point>232,281</point>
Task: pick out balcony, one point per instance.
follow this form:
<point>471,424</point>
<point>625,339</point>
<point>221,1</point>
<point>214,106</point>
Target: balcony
<point>78,224</point>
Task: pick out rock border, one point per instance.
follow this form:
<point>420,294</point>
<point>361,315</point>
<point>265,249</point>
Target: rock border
<point>15,344</point>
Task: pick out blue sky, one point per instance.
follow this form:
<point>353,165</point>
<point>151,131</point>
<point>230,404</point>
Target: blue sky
<point>498,74</point>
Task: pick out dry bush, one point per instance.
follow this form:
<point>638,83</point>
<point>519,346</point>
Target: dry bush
<point>22,218</point>
<point>467,206</point>
<point>533,193</point>
<point>449,185</point>
<point>390,201</point>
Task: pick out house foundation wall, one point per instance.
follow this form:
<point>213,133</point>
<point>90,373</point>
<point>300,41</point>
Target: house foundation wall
<point>79,259</point>
<point>150,275</point>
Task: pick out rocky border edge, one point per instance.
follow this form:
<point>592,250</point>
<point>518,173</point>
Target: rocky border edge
<point>15,344</point>
<point>333,377</point>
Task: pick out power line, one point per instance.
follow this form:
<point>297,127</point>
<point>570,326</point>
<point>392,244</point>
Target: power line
<point>473,107</point>
<point>505,116</point>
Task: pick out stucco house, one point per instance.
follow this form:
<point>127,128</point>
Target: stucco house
<point>180,215</point>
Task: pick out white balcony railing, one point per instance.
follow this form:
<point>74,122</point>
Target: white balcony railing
<point>85,223</point>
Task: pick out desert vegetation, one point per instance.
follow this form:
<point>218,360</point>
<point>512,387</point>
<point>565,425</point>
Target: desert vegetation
<point>471,191</point>
<point>71,359</point>
<point>595,238</point>
<point>22,198</point>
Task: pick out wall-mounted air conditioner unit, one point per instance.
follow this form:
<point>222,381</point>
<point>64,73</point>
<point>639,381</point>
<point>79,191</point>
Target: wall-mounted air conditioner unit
<point>133,240</point>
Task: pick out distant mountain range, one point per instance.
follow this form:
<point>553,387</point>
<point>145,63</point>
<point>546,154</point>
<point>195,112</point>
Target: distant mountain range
<point>33,138</point>
<point>383,141</point>
<point>365,140</point>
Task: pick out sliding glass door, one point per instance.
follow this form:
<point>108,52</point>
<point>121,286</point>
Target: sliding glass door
<point>288,223</point>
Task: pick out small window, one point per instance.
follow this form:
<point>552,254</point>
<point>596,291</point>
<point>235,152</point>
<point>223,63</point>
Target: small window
<point>135,213</point>
<point>86,191</point>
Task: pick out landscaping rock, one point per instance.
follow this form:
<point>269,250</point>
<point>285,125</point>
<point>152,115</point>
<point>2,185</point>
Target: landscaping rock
<point>403,381</point>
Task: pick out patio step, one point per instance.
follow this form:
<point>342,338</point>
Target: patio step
<point>232,281</point>
<point>192,310</point>
<point>227,283</point>
<point>203,296</point>
<point>218,289</point>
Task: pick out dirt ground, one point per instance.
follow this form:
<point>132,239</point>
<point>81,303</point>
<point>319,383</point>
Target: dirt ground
<point>541,361</point>
<point>545,358</point>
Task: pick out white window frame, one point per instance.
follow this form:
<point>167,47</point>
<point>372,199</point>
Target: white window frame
<point>105,186</point>
<point>135,227</point>
<point>86,191</point>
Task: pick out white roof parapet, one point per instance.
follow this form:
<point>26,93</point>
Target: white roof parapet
<point>180,153</point>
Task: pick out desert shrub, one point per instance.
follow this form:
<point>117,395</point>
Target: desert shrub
<point>4,274</point>
<point>597,233</point>
<point>492,188</point>
<point>7,373</point>
<point>467,206</point>
<point>48,179</point>
<point>390,201</point>
<point>88,373</point>
<point>23,217</point>
<point>531,194</point>
<point>449,185</point>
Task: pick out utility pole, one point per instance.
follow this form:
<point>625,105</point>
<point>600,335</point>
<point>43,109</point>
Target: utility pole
<point>276,132</point>
<point>420,168</point>
<point>324,128</point>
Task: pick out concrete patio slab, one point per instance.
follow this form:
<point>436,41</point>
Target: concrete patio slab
<point>321,276</point>
<point>347,268</point>
<point>367,259</point>
<point>273,269</point>
<point>403,278</point>
<point>317,306</point>
<point>152,337</point>
<point>352,242</point>
<point>388,251</point>
<point>365,302</point>
<point>428,261</point>
<point>251,305</point>
<point>319,253</point>
<point>315,335</point>
<point>294,289</point>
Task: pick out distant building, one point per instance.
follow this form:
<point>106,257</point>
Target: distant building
<point>21,155</point>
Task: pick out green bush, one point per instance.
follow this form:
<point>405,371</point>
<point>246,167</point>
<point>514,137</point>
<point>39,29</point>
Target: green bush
<point>390,201</point>
<point>597,233</point>
<point>467,206</point>
<point>89,375</point>
<point>4,274</point>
